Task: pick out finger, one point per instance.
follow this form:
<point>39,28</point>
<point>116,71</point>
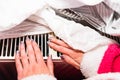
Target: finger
<point>59,42</point>
<point>38,53</point>
<point>30,51</point>
<point>70,61</point>
<point>18,64</point>
<point>50,65</point>
<point>23,55</point>
<point>61,49</point>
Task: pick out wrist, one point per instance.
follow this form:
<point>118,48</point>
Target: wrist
<point>40,77</point>
<point>91,60</point>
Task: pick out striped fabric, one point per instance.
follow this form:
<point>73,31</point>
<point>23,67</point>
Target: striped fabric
<point>95,17</point>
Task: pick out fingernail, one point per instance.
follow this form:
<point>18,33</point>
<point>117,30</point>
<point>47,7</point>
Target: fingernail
<point>50,56</point>
<point>62,57</point>
<point>27,38</point>
<point>50,38</point>
<point>22,42</point>
<point>17,52</point>
<point>48,42</point>
<point>32,40</point>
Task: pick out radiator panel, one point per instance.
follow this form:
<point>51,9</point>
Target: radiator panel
<point>8,47</point>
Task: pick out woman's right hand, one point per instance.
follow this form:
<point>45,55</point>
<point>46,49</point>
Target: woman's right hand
<point>30,61</point>
<point>69,55</point>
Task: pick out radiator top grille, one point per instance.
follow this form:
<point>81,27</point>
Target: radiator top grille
<point>8,47</point>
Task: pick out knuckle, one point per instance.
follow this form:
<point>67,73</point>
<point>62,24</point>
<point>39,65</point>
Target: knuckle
<point>23,56</point>
<point>61,48</point>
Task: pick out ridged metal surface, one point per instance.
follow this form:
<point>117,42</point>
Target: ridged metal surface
<point>8,47</point>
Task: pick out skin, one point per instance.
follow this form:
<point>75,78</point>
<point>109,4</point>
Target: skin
<point>69,55</point>
<point>31,62</point>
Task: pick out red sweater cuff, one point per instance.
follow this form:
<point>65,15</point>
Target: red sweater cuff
<point>116,64</point>
<point>111,60</point>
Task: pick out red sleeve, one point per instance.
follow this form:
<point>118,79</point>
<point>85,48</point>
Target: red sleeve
<point>111,60</point>
<point>116,64</point>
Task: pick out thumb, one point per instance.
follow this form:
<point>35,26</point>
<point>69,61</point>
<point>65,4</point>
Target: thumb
<point>50,65</point>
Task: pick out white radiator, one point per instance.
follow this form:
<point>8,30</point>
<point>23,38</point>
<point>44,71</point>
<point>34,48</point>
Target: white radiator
<point>8,47</point>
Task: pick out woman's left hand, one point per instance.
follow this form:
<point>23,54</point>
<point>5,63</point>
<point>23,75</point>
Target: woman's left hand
<point>69,55</point>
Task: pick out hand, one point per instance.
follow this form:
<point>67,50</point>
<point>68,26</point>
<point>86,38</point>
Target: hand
<point>69,55</point>
<point>31,62</point>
